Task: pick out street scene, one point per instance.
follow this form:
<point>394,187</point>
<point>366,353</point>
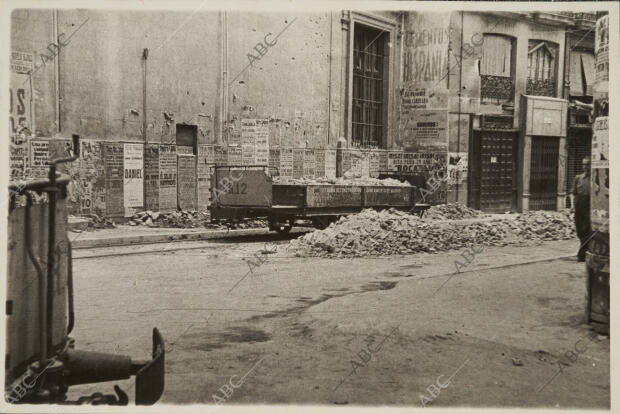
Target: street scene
<point>339,208</point>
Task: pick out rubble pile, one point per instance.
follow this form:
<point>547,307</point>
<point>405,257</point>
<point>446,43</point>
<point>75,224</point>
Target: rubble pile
<point>389,182</point>
<point>372,233</point>
<point>451,211</point>
<point>95,223</point>
<point>186,219</point>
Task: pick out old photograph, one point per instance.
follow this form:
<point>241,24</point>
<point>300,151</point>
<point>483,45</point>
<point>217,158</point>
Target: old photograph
<point>227,205</point>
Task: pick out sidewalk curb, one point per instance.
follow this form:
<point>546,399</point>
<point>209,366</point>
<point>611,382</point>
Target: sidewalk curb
<point>115,241</point>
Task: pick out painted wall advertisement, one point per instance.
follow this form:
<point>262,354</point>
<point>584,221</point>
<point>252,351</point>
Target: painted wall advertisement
<point>20,118</point>
<point>424,95</point>
<point>133,178</point>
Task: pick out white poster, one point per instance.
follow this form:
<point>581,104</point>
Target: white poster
<point>133,179</point>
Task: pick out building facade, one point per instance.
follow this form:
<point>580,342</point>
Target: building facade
<point>494,103</point>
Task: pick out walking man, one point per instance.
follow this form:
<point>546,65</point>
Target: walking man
<point>581,205</point>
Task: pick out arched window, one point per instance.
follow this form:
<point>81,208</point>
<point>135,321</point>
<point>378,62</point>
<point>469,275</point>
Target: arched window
<point>541,68</point>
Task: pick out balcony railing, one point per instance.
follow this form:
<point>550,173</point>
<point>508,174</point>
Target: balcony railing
<point>540,87</point>
<point>496,89</point>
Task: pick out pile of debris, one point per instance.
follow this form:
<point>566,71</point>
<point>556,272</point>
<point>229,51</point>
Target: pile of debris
<point>341,181</point>
<point>451,211</point>
<point>187,219</point>
<point>372,233</point>
<point>96,223</point>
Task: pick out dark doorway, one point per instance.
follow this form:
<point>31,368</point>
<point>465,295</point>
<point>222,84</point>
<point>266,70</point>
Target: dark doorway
<point>187,139</point>
<point>544,173</point>
<point>492,170</point>
<point>579,144</point>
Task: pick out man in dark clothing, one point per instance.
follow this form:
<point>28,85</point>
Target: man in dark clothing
<point>581,205</point>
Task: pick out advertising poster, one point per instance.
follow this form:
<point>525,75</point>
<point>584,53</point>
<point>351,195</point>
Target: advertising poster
<point>151,177</point>
<point>39,156</point>
<point>600,143</point>
<point>274,161</point>
<point>330,163</point>
<point>261,139</point>
<point>133,178</point>
<point>427,131</point>
<point>298,162</point>
<point>235,156</point>
<point>286,162</point>
<point>457,168</point>
<point>186,182</point>
<point>114,178</point>
<point>309,163</point>
<point>425,60</point>
<point>20,116</point>
<point>599,199</point>
<point>319,166</point>
<point>221,155</point>
<point>395,160</point>
<point>167,178</point>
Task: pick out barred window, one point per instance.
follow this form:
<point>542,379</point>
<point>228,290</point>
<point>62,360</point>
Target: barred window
<point>370,59</point>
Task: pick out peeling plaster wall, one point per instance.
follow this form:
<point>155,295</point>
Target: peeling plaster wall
<point>102,73</point>
<point>289,83</point>
<point>31,32</point>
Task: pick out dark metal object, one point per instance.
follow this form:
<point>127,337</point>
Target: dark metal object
<point>63,366</point>
<point>150,378</point>
<point>51,235</point>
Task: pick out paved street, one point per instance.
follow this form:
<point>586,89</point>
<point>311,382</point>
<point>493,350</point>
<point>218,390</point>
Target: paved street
<point>347,331</point>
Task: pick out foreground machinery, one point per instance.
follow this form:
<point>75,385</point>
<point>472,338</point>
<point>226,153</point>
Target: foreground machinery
<point>597,254</point>
<point>41,360</point>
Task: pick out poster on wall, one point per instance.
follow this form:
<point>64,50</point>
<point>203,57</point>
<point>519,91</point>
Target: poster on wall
<point>600,143</point>
<point>235,156</point>
<point>18,156</point>
<point>457,168</point>
<point>261,139</point>
<point>20,116</point>
<point>133,178</point>
<point>39,156</point>
<point>151,177</point>
<point>186,181</point>
<point>274,161</point>
<point>319,163</point>
<point>601,53</point>
<point>113,161</point>
<point>87,187</point>
<point>286,162</point>
<point>167,178</point>
<point>330,163</point>
<point>309,163</point>
<point>221,155</point>
<point>599,199</point>
<point>427,131</point>
<point>204,162</point>
<point>395,160</point>
<point>298,162</point>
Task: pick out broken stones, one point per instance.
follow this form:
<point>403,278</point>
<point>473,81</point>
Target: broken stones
<point>387,232</point>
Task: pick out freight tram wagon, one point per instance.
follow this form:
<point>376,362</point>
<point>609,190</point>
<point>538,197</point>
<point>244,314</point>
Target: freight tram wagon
<point>41,360</point>
<point>242,192</point>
